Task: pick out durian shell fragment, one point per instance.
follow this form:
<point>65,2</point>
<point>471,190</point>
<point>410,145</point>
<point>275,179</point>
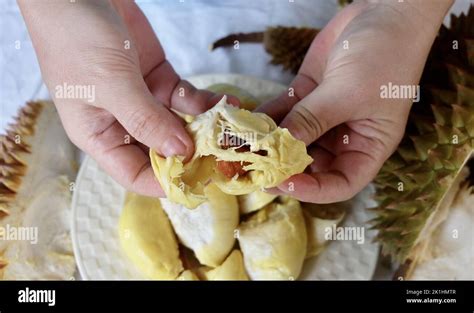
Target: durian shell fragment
<point>418,181</point>
<point>12,164</point>
<point>36,156</point>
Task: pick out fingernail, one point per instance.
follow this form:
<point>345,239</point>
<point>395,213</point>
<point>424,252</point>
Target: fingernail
<point>173,146</point>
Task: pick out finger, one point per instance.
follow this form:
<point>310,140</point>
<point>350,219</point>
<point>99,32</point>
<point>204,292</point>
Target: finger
<point>151,123</point>
<point>232,100</point>
<point>164,83</point>
<point>322,159</point>
<point>168,88</point>
<point>124,160</point>
<point>349,173</point>
<point>315,114</point>
<point>131,168</point>
<point>299,88</point>
<point>313,67</point>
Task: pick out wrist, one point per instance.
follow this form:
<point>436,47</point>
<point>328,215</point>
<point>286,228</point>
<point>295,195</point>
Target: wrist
<point>426,16</point>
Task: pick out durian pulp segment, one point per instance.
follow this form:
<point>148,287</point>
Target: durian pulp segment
<point>147,238</point>
<point>450,251</point>
<point>36,157</point>
<point>247,101</point>
<point>51,257</point>
<point>284,155</point>
<point>273,241</point>
<point>209,228</point>
<point>232,269</point>
<point>254,201</point>
<point>319,219</point>
<point>187,275</point>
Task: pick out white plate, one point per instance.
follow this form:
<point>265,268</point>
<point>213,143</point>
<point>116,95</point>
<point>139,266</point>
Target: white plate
<point>97,202</point>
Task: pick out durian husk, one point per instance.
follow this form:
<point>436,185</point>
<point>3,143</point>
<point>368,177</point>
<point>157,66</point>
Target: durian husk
<point>35,152</point>
<point>12,164</point>
<point>343,3</point>
<point>286,45</point>
<point>416,186</point>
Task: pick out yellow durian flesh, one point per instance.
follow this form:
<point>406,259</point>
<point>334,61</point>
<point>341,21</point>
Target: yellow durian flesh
<point>232,269</point>
<point>273,241</point>
<point>254,201</point>
<point>187,275</point>
<point>283,156</point>
<point>147,238</point>
<point>247,101</point>
<point>208,230</point>
<point>320,219</point>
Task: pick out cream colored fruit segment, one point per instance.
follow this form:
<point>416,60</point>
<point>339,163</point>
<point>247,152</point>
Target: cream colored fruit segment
<point>273,241</point>
<point>254,201</point>
<point>148,239</point>
<point>232,269</point>
<point>316,229</point>
<point>208,229</point>
<point>187,275</point>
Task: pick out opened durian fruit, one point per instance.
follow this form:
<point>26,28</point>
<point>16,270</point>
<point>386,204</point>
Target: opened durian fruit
<point>36,169</point>
<point>217,223</point>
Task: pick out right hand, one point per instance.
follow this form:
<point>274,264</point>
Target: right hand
<point>336,107</point>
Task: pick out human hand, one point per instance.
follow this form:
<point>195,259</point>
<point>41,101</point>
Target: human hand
<point>334,104</point>
<point>112,48</point>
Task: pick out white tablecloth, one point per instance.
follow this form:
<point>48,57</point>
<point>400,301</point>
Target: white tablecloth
<point>185,28</point>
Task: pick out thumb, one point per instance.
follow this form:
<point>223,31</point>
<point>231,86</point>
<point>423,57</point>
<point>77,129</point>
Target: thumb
<point>318,112</point>
<point>149,122</point>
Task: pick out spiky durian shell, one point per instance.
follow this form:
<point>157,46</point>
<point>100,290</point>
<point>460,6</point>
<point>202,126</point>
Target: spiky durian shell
<point>343,3</point>
<point>288,45</point>
<point>36,162</point>
<point>12,146</point>
<point>421,177</point>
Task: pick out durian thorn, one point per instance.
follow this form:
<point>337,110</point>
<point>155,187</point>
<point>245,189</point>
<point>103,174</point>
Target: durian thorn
<point>12,165</point>
<point>227,41</point>
<point>3,213</point>
<point>403,270</point>
<point>3,263</point>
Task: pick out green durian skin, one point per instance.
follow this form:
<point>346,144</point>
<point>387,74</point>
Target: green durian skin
<point>439,140</point>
